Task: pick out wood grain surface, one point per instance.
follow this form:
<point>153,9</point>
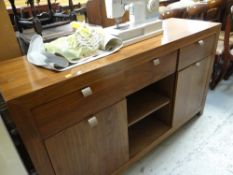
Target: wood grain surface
<point>50,119</point>
<point>103,149</point>
<point>44,103</point>
<point>19,78</point>
<point>196,51</point>
<point>190,89</point>
<point>147,73</point>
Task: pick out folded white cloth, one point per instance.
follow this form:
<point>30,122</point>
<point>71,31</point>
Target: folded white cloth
<point>181,4</point>
<point>37,57</point>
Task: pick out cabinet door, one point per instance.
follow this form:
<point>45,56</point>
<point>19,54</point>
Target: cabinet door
<point>190,91</point>
<point>96,146</point>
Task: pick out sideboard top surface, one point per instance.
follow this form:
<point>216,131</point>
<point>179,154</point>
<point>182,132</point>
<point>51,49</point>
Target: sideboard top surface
<point>19,78</point>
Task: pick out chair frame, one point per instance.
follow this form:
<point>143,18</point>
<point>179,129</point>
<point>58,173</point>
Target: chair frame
<point>223,66</point>
<point>196,11</point>
<point>214,10</point>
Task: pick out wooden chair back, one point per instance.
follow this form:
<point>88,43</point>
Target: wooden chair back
<point>214,8</point>
<point>225,10</point>
<point>196,11</point>
<point>172,13</point>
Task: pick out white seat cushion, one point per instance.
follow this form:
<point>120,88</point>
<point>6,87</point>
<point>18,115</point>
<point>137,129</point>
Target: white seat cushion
<point>220,47</point>
<point>181,4</point>
<point>222,35</point>
<point>162,9</point>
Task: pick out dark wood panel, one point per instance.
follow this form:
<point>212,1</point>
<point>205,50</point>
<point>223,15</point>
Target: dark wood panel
<point>145,132</point>
<point>144,103</point>
<point>85,149</point>
<point>96,14</point>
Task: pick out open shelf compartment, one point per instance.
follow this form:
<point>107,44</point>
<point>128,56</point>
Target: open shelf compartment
<point>148,130</point>
<point>150,114</point>
<point>143,103</point>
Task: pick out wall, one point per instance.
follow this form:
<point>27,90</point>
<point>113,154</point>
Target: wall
<point>10,163</point>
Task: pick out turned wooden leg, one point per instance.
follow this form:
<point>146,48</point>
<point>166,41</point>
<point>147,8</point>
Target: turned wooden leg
<point>217,72</point>
<point>229,71</point>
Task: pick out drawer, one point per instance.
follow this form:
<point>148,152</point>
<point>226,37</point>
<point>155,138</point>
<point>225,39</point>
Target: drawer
<point>149,72</point>
<point>196,51</point>
<point>72,108</point>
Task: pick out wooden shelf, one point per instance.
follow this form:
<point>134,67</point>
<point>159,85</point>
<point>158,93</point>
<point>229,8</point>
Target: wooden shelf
<point>143,103</point>
<point>144,133</point>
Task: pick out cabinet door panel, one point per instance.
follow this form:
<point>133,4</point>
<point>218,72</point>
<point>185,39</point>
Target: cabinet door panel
<point>191,85</point>
<point>96,146</point>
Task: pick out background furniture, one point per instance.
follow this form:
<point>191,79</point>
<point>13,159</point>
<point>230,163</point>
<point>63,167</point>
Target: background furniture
<point>223,65</point>
<point>214,10</point>
<point>100,117</point>
<point>21,3</point>
<point>166,2</point>
<point>96,14</point>
<point>228,51</point>
<point>172,13</point>
<point>196,11</point>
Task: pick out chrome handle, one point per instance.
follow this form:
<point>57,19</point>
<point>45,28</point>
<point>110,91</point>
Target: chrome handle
<point>201,42</point>
<point>198,64</point>
<point>86,91</point>
<point>93,121</point>
<point>156,62</point>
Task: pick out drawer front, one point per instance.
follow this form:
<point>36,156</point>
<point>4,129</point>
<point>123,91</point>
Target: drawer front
<point>151,71</point>
<point>72,108</point>
<point>196,52</point>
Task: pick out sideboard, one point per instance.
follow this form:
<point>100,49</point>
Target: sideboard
<point>101,117</point>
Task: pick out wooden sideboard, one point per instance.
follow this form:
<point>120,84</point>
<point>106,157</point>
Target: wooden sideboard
<point>100,117</point>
